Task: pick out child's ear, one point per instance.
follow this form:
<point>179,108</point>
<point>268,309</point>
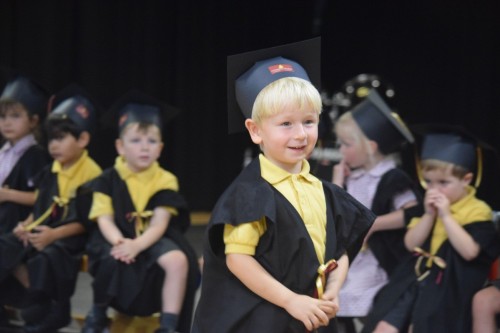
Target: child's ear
<point>373,145</point>
<point>468,178</point>
<point>119,146</point>
<point>84,139</point>
<point>254,131</point>
<point>34,121</point>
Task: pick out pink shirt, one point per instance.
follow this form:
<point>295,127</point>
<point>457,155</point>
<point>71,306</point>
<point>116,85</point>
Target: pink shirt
<point>365,276</point>
<point>9,155</point>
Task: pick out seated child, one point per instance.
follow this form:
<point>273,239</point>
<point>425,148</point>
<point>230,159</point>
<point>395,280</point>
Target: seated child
<point>22,106</point>
<point>43,252</point>
<point>486,309</point>
<point>138,256</point>
<point>370,136</point>
<point>277,233</point>
<point>454,244</point>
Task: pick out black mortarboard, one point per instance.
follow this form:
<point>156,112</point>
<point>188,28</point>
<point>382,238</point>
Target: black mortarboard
<point>75,103</point>
<point>452,144</point>
<point>380,124</point>
<point>136,106</point>
<point>26,91</point>
<point>248,73</point>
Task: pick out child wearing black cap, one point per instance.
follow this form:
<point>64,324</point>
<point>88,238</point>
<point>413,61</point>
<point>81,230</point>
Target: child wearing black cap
<point>369,137</point>
<point>139,258</point>
<point>277,233</point>
<point>453,243</point>
<point>22,105</point>
<point>43,252</point>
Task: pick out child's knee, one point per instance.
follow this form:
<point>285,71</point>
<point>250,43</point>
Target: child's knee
<point>385,327</point>
<point>174,261</point>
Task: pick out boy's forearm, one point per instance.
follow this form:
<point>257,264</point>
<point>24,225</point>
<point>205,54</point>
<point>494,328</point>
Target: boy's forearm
<point>337,276</point>
<point>258,280</point>
<point>20,197</point>
<point>150,236</point>
<point>67,230</point>
<point>109,230</point>
<point>417,235</point>
<point>460,239</point>
<point>157,227</point>
<point>394,219</point>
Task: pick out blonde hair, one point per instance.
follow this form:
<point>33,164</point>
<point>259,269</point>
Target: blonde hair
<point>286,91</point>
<point>347,127</point>
<point>431,165</point>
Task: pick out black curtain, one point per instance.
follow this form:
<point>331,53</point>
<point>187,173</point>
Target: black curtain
<point>441,57</point>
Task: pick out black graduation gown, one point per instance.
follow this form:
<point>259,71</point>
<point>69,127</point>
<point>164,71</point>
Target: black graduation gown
<point>54,270</point>
<point>444,304</point>
<point>388,245</point>
<point>135,289</point>
<point>21,178</point>
<point>285,250</point>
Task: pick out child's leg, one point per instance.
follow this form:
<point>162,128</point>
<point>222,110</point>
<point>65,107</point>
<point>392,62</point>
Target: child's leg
<point>175,265</point>
<point>385,327</point>
<point>485,307</point>
<point>21,274</point>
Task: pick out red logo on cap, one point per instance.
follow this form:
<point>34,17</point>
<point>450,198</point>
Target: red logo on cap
<point>122,120</point>
<point>279,68</point>
<point>82,111</point>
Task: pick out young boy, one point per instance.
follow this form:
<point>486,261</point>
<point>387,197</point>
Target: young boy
<point>277,232</point>
<point>43,252</point>
<point>139,258</point>
<point>454,244</point>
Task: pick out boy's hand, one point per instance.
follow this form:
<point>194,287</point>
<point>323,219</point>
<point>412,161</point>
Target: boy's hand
<point>439,202</point>
<point>41,237</point>
<point>331,311</point>
<point>340,172</point>
<point>429,202</point>
<point>21,233</point>
<point>310,311</point>
<point>125,251</point>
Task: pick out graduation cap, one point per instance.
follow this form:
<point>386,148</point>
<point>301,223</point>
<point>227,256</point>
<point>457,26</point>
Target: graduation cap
<point>74,103</point>
<point>380,124</point>
<point>452,144</point>
<point>27,92</point>
<point>248,73</point>
<point>138,107</point>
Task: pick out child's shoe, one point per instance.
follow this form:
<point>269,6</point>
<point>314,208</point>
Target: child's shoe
<point>35,313</point>
<point>95,324</point>
<point>57,318</point>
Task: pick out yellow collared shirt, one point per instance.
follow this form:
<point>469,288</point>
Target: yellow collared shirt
<point>141,187</point>
<point>467,210</point>
<point>68,180</point>
<point>303,191</point>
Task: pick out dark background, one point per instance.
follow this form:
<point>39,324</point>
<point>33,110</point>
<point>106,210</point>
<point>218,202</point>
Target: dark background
<point>442,57</point>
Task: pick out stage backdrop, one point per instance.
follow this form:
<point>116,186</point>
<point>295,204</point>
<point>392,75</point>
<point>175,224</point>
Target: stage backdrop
<point>441,57</point>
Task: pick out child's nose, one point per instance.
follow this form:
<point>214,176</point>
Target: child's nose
<point>300,132</point>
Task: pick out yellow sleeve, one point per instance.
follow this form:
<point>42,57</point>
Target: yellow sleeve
<point>101,205</point>
<point>243,239</point>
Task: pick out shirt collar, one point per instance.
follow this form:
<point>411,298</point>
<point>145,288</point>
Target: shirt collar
<point>20,146</point>
<point>377,171</point>
<point>72,170</point>
<point>274,174</point>
<point>125,173</point>
<point>471,193</point>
